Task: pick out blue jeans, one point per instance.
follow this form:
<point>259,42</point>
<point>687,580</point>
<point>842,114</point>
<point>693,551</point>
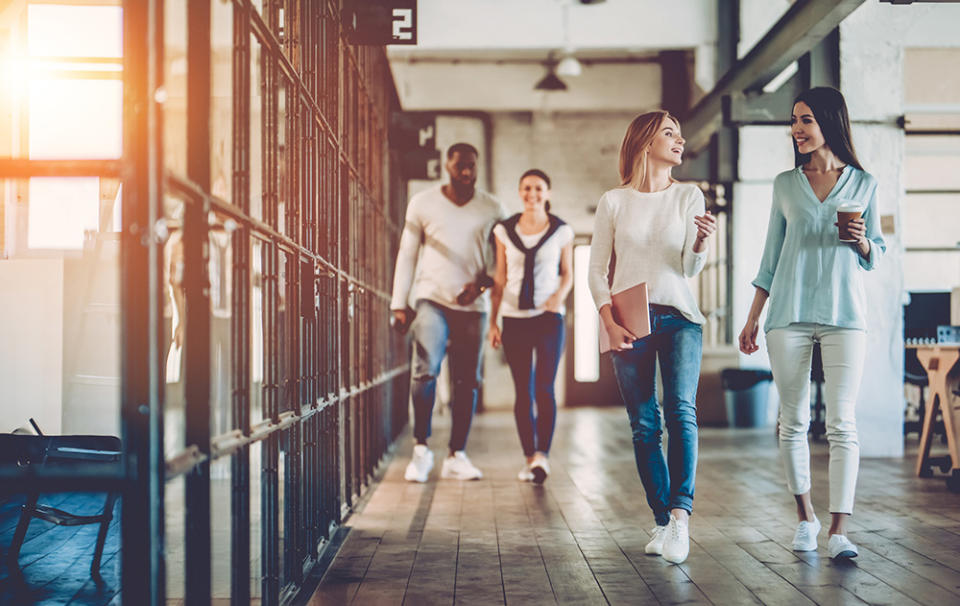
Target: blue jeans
<point>678,343</point>
<point>522,337</point>
<point>433,327</point>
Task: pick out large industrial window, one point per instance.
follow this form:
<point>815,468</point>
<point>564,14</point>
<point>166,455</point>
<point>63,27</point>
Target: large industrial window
<point>205,190</point>
<point>931,210</point>
<point>713,282</point>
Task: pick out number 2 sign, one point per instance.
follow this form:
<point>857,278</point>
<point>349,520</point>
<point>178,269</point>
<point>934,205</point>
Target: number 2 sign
<point>381,22</point>
<point>402,24</point>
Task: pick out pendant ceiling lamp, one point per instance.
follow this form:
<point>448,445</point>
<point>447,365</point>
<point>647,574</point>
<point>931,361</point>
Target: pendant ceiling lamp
<point>550,82</point>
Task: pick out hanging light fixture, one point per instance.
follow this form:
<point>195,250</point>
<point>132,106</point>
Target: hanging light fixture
<point>550,82</point>
<point>569,67</point>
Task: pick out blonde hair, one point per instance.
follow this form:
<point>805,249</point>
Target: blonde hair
<point>633,149</point>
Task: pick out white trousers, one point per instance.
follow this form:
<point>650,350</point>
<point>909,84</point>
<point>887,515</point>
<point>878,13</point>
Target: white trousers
<point>843,351</point>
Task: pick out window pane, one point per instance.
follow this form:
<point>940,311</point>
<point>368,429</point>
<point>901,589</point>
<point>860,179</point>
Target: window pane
<point>175,85</point>
<point>586,323</point>
<point>221,106</point>
<point>931,270</point>
<point>221,280</point>
<point>74,31</point>
<point>256,129</point>
<point>61,210</point>
<point>931,220</point>
<point>88,126</point>
<point>174,428</point>
<point>257,338</point>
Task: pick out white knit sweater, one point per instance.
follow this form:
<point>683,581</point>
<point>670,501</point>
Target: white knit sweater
<point>443,247</point>
<point>652,235</point>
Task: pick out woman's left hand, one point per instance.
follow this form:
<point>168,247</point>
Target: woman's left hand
<point>858,229</point>
<point>706,225</point>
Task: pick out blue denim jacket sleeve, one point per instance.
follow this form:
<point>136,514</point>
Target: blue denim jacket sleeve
<point>776,229</point>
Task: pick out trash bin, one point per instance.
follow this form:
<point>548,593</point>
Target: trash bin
<point>746,393</point>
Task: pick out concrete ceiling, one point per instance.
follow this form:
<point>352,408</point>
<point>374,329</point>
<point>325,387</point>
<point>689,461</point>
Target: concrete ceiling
<point>488,54</point>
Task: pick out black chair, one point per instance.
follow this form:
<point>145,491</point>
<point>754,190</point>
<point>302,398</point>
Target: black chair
<point>60,451</point>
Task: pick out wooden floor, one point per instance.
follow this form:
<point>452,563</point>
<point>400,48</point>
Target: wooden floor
<point>579,539</point>
<point>55,560</point>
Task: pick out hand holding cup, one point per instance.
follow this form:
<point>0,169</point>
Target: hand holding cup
<point>850,225</point>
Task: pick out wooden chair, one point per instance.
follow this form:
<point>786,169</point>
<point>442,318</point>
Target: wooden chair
<point>61,451</point>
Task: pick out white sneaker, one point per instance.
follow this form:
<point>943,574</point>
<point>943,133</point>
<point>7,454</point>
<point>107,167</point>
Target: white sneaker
<point>418,469</point>
<point>459,467</point>
<point>540,468</point>
<point>676,543</point>
<point>805,538</point>
<point>655,546</point>
<point>841,548</point>
<point>525,475</point>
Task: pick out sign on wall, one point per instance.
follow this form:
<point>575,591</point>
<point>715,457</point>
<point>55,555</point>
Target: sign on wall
<point>414,134</point>
<point>381,22</point>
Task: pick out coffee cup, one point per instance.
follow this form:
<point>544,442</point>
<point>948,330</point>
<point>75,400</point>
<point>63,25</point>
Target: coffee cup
<point>845,214</point>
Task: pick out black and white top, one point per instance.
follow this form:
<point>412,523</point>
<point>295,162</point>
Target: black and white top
<point>546,267</point>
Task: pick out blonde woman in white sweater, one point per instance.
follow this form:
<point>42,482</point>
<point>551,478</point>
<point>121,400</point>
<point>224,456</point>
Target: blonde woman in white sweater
<point>656,227</point>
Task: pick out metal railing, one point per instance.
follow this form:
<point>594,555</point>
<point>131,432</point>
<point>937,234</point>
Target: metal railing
<point>285,290</point>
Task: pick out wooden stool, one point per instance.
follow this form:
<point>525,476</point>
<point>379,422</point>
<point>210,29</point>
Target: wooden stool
<point>939,361</point>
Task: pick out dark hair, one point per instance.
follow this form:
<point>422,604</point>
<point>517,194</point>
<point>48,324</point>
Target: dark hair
<point>463,148</point>
<point>830,111</point>
<point>536,172</point>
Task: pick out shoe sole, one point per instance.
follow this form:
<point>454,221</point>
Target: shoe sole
<point>676,560</point>
<point>652,552</point>
<point>795,548</point>
<point>539,475</point>
<point>845,555</point>
<point>450,476</point>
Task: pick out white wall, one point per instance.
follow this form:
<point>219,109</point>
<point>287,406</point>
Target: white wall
<point>510,87</point>
<point>578,150</point>
<point>765,151</point>
<point>485,24</point>
<point>31,334</point>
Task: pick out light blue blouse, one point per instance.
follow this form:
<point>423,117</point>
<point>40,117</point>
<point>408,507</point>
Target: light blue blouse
<point>810,274</point>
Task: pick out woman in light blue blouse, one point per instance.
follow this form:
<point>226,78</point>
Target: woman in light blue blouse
<point>814,282</point>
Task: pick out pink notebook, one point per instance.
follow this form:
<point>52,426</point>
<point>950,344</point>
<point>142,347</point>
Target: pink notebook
<point>631,310</point>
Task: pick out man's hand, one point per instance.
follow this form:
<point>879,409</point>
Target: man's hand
<point>469,293</point>
<point>494,336</point>
<point>402,318</point>
<point>474,289</point>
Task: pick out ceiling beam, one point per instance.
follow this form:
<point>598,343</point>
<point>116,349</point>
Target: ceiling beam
<point>800,28</point>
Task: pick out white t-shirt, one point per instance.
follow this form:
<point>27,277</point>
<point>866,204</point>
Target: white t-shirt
<point>653,236</point>
<point>546,269</point>
<point>453,246</point>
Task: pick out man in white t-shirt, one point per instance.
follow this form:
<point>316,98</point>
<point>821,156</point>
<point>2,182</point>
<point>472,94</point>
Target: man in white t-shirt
<point>446,244</point>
